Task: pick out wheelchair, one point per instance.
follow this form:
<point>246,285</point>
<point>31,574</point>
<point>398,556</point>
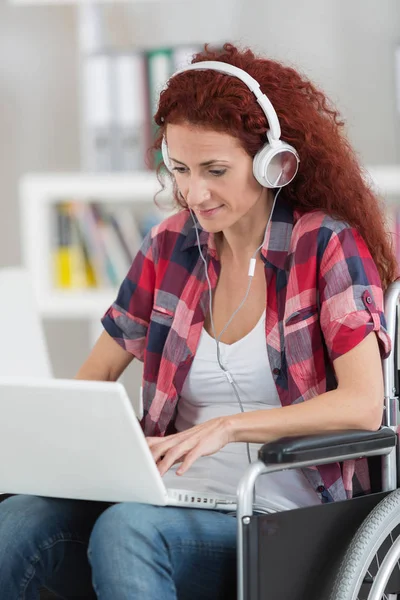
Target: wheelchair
<point>347,550</point>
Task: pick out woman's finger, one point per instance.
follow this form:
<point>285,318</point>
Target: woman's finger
<point>189,459</point>
<point>174,455</point>
<point>160,446</point>
<point>154,441</point>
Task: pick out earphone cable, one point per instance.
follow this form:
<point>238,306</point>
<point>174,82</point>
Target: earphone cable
<point>218,338</point>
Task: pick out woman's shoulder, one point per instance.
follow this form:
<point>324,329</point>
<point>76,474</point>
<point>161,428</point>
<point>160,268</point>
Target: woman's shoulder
<point>315,220</point>
<point>317,233</point>
<point>317,228</point>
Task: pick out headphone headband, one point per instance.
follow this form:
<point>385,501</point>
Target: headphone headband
<point>274,132</point>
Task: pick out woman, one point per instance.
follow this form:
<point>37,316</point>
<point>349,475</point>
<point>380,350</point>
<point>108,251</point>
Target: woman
<point>257,310</point>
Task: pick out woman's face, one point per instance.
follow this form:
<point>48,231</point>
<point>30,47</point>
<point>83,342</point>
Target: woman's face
<point>214,174</point>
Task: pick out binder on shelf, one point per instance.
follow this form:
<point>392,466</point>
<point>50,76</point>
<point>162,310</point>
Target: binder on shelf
<point>131,111</point>
<point>70,271</point>
<point>61,248</point>
<point>159,70</point>
<point>120,98</point>
<point>98,112</point>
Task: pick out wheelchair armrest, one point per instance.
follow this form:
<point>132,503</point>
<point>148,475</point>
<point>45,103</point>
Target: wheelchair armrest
<point>335,445</point>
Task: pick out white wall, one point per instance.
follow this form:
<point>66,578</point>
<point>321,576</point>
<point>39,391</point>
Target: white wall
<point>39,109</point>
<point>38,130</point>
<point>346,47</point>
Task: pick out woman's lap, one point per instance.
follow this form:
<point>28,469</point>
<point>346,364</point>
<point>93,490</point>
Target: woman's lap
<point>184,552</point>
<point>189,552</point>
<point>45,536</point>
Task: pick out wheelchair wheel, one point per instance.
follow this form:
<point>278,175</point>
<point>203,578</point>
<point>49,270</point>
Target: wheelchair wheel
<point>363,560</point>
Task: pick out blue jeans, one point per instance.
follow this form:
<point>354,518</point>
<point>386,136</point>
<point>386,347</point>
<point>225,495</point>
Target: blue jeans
<point>121,551</point>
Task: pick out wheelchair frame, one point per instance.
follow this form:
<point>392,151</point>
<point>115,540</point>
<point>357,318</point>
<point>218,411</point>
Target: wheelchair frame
<point>290,453</point>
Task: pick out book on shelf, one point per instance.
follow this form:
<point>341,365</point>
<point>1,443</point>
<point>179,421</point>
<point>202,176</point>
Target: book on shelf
<point>91,240</point>
<point>127,230</point>
<point>116,261</point>
<point>95,243</point>
<point>69,258</point>
<point>82,266</point>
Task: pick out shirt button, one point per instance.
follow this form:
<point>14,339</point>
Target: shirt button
<point>320,489</point>
<point>369,300</point>
<point>276,371</point>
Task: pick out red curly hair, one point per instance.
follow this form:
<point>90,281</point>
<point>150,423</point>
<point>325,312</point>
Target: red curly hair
<point>329,176</point>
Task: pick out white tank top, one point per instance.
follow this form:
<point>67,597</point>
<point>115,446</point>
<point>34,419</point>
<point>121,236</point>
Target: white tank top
<point>206,394</point>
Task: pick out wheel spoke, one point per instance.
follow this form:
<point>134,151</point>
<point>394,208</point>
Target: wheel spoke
<point>392,540</point>
<point>368,551</point>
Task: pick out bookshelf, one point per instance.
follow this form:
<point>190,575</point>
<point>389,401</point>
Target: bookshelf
<point>39,194</point>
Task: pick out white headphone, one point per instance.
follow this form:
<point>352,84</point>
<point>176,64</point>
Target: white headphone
<point>276,163</point>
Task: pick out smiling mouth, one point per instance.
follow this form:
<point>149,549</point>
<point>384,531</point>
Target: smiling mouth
<point>209,210</point>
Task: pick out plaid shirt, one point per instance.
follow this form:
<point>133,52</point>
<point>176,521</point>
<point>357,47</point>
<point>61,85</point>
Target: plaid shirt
<point>324,296</point>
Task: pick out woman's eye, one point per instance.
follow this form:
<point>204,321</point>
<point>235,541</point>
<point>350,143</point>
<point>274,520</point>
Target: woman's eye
<point>214,172</point>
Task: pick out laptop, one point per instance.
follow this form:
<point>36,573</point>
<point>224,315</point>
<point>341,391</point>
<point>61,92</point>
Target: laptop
<point>68,438</point>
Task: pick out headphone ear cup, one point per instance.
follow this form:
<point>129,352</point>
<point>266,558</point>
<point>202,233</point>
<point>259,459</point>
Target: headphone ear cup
<point>164,151</point>
<point>275,165</point>
<point>259,162</point>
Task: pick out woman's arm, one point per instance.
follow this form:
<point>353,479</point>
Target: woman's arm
<point>357,403</point>
<point>106,362</point>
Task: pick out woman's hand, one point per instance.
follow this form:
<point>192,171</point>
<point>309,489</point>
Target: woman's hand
<point>187,446</point>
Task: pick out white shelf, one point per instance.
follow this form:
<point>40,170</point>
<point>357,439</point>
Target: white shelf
<point>38,192</point>
<point>43,187</point>
<point>77,304</point>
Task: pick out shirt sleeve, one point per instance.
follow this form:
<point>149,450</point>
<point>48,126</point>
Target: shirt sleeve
<point>128,317</point>
<point>351,296</point>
